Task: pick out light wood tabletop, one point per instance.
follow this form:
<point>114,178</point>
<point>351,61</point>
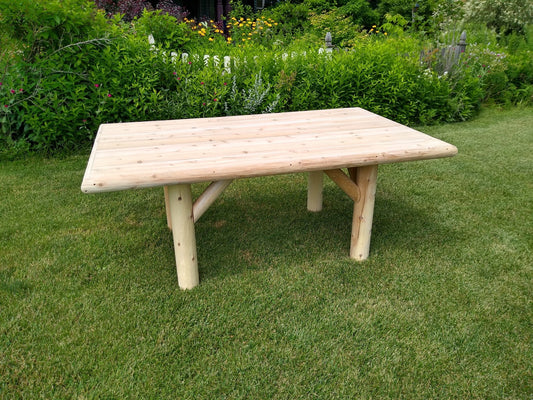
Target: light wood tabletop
<point>158,153</point>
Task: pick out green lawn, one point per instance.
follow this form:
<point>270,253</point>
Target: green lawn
<point>90,306</point>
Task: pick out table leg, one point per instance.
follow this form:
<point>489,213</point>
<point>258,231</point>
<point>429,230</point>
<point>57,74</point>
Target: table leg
<point>366,179</point>
<point>181,216</point>
<point>314,190</point>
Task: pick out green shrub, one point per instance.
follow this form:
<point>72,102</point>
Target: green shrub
<point>294,18</point>
<point>504,16</point>
<point>343,32</point>
<point>165,29</point>
<point>74,90</point>
<point>47,25</point>
<point>69,88</point>
<point>123,83</point>
<point>359,11</point>
<point>320,6</point>
<point>240,10</point>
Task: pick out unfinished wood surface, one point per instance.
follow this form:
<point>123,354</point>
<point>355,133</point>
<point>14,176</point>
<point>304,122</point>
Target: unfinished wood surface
<point>159,153</point>
<point>344,182</point>
<point>314,190</point>
<point>366,179</point>
<point>180,205</point>
<point>208,197</point>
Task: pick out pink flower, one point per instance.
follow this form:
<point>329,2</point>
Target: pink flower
<point>215,99</point>
<point>178,78</point>
<point>201,83</point>
<point>96,85</point>
<point>174,73</point>
<point>12,91</point>
<point>190,62</point>
<point>6,106</point>
<point>225,83</point>
<point>109,95</point>
<point>1,83</point>
<point>203,104</point>
<point>21,90</point>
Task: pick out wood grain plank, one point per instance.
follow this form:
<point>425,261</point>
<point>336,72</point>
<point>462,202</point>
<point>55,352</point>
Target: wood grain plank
<point>146,154</point>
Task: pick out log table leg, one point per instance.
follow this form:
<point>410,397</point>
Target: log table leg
<point>365,178</point>
<point>182,220</point>
<point>314,191</point>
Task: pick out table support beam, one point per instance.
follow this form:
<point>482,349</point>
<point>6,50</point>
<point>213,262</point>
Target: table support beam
<point>182,220</point>
<point>366,179</point>
<point>314,191</point>
<point>345,183</point>
<point>210,194</point>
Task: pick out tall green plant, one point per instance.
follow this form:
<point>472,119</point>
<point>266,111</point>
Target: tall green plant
<point>47,25</point>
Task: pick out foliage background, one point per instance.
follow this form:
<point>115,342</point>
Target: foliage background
<point>68,66</point>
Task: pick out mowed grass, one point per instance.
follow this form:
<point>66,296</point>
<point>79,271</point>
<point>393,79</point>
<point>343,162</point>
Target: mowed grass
<point>90,306</point>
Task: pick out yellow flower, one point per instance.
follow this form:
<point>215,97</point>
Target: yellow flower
<point>385,33</point>
<point>211,39</point>
<point>229,40</point>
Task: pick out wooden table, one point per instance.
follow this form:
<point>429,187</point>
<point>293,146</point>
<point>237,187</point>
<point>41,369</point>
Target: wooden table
<point>177,153</point>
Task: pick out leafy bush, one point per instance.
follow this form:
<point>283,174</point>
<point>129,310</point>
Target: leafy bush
<point>240,10</point>
<point>295,17</point>
<point>341,27</point>
<point>165,29</point>
<point>504,16</point>
<point>359,11</point>
<point>123,84</point>
<point>48,25</point>
<point>375,77</point>
<point>56,92</point>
